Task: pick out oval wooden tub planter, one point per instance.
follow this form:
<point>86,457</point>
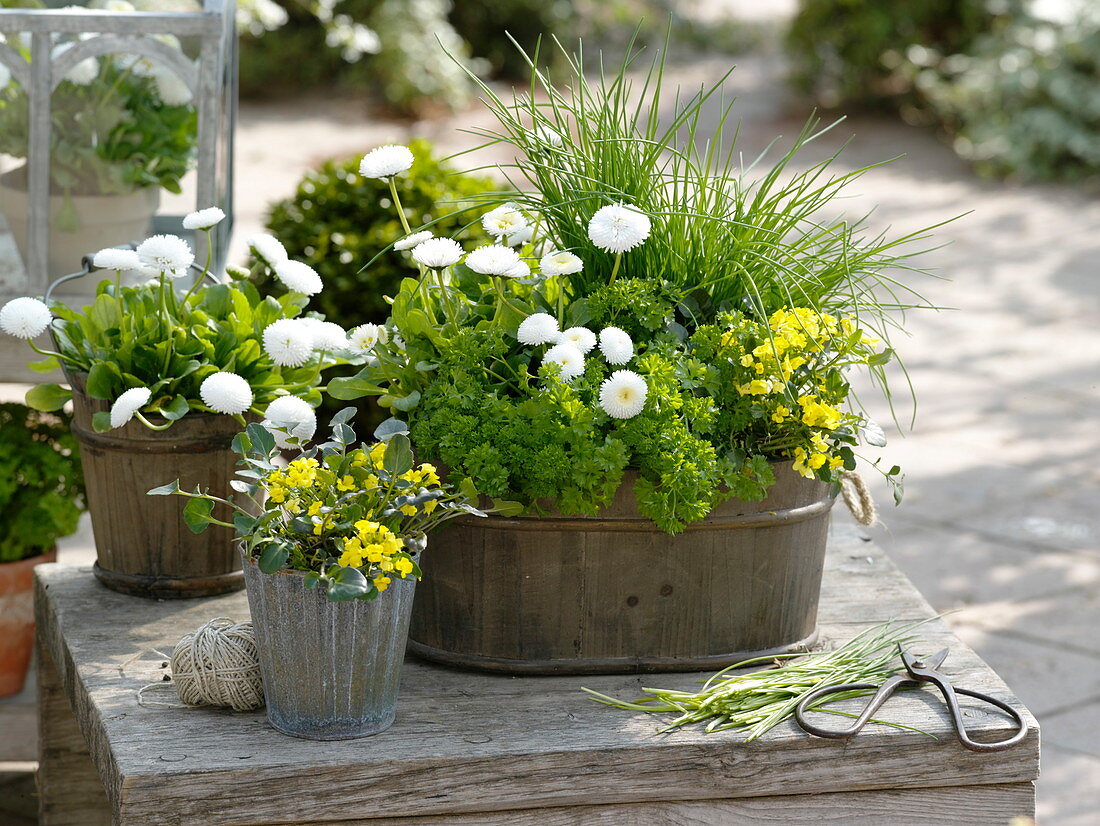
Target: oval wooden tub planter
<point>143,546</point>
<point>331,670</point>
<point>614,594</point>
<point>17,619</point>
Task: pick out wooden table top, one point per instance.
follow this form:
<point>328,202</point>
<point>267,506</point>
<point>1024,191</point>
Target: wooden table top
<point>468,742</point>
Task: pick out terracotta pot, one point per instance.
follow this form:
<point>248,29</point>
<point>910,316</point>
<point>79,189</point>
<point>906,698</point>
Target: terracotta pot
<point>17,620</point>
<point>143,547</point>
<point>612,593</point>
<point>100,221</point>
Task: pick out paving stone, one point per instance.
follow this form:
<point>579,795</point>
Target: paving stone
<point>1068,791</point>
<point>1069,619</point>
<point>1076,728</point>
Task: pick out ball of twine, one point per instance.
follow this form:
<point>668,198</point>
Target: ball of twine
<point>217,665</point>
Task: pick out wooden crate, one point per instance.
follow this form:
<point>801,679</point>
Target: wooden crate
<point>471,748</point>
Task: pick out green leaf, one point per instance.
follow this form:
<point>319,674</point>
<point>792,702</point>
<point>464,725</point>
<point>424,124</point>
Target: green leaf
<point>101,381</point>
<point>343,416</point>
<point>244,524</point>
<point>398,457</point>
<point>504,507</point>
<point>101,422</point>
<point>347,388</point>
<point>407,403</point>
<point>48,397</point>
<point>165,490</point>
<point>346,583</point>
<point>879,359</point>
<point>196,513</point>
<point>241,445</point>
<point>46,365</point>
<point>273,557</point>
<point>175,409</point>
<point>262,441</point>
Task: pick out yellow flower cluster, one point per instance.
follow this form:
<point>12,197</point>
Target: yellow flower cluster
<point>376,545</point>
<point>301,474</point>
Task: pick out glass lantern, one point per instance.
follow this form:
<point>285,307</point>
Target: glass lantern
<point>116,119</point>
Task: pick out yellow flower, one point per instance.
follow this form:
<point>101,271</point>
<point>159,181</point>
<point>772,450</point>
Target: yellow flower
<point>746,360</point>
<point>835,462</point>
<point>781,414</point>
<point>816,460</point>
<point>408,510</point>
<point>756,387</point>
<point>403,566</point>
<point>346,483</point>
<point>382,583</point>
<point>315,508</point>
<point>377,453</point>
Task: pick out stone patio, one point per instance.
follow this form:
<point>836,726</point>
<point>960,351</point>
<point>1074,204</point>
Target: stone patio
<point>1002,513</point>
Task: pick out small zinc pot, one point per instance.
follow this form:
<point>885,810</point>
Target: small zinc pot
<point>93,221</point>
<point>614,594</point>
<point>143,547</point>
<point>17,620</point>
<point>331,670</point>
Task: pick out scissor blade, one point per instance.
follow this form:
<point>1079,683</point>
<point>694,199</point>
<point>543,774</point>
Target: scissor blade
<point>936,660</point>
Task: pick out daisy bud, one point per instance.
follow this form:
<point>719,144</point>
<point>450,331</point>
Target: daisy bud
<point>129,403</point>
<point>540,328</point>
<point>616,345</point>
<point>25,318</point>
<point>290,417</point>
<point>226,393</point>
<point>289,342</point>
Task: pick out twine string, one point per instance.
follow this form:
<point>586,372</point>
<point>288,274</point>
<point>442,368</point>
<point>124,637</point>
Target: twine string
<point>858,498</point>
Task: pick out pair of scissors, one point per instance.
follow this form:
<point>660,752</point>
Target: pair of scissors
<point>917,673</point>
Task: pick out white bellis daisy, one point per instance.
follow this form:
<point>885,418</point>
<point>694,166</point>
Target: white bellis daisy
<point>289,342</point>
<point>568,358</point>
<point>290,416</point>
<point>298,277</point>
<point>560,263</point>
<point>226,393</point>
<point>623,394</point>
<point>618,228</point>
<point>25,318</point>
<point>363,338</point>
<point>504,220</point>
<point>437,253</point>
<point>493,260</point>
<point>267,248</point>
<point>116,259</point>
<point>203,219</point>
<point>410,241</point>
<point>616,345</point>
<point>165,255</point>
<point>327,336</point>
<point>386,161</point>
<point>540,328</point>
<point>580,337</point>
<point>128,404</point>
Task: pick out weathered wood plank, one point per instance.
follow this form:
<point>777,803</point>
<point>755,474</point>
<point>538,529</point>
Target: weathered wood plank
<point>949,806</point>
<point>70,792</point>
<point>468,742</point>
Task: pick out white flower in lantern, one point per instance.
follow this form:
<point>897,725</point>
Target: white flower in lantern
<point>560,263</point>
<point>568,358</point>
<point>580,337</point>
<point>289,417</point>
<point>493,260</point>
<point>386,161</point>
<point>165,255</point>
<point>437,253</point>
<point>623,394</point>
<point>170,87</point>
<point>203,219</point>
<point>225,392</point>
<point>83,73</point>
<point>540,328</point>
<point>618,228</point>
<point>616,345</point>
<point>299,277</point>
<point>25,318</point>
<point>129,403</point>
<point>410,241</point>
<point>289,342</point>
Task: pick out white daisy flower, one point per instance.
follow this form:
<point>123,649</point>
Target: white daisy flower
<point>521,270</point>
<point>580,337</point>
<point>504,220</point>
<point>551,137</point>
<point>410,241</point>
<point>568,357</point>
<point>118,5</point>
<point>327,336</point>
<point>25,318</point>
<point>290,416</point>
<point>128,404</point>
<point>226,393</point>
<point>560,263</point>
<point>493,260</point>
<point>437,253</point>
<point>267,248</point>
<point>165,255</point>
<point>113,258</point>
<point>203,218</point>
<point>616,345</point>
<point>618,228</point>
<point>386,161</point>
<point>170,87</point>
<point>83,73</point>
<point>623,394</point>
<point>363,338</point>
<point>518,239</point>
<point>540,328</point>
<point>289,342</point>
<point>299,277</point>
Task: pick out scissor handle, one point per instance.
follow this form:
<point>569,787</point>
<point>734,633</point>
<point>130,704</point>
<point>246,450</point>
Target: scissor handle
<point>814,698</point>
<point>949,693</point>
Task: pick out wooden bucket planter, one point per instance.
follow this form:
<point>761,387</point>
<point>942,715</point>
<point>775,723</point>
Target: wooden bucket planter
<point>142,544</point>
<point>613,594</point>
<point>17,620</point>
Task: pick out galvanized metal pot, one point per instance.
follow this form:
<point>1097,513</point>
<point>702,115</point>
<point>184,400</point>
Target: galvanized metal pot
<point>331,670</point>
<point>143,547</point>
<point>613,594</point>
